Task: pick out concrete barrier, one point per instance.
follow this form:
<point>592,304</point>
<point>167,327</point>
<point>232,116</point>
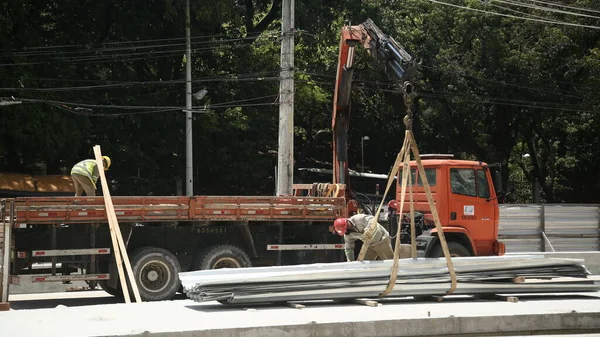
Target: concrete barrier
<point>457,316</point>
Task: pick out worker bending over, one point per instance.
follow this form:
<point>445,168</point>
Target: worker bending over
<point>363,227</point>
<point>85,175</point>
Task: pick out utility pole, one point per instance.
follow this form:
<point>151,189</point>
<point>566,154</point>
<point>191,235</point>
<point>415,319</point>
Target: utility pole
<point>189,160</point>
<point>285,157</point>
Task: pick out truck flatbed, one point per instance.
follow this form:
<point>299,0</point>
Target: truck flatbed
<point>65,210</point>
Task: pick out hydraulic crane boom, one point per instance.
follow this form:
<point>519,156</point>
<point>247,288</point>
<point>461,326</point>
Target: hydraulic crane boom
<point>399,65</point>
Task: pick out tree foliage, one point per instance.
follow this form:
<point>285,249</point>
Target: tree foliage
<point>493,88</point>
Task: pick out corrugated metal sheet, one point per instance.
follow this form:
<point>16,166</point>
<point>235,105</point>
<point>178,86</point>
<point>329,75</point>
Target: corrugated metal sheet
<point>568,227</point>
<point>573,244</point>
<point>520,227</point>
<point>571,220</point>
<point>522,245</point>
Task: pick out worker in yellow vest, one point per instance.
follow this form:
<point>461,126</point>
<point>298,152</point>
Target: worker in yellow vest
<point>85,175</point>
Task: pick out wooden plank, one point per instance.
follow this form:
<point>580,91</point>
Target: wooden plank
<point>430,298</point>
<point>496,297</point>
<point>518,279</point>
<point>367,302</point>
<point>4,306</point>
<point>295,305</point>
<point>115,233</point>
<point>511,299</point>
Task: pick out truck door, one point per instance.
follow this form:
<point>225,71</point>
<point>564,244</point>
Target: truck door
<point>470,206</point>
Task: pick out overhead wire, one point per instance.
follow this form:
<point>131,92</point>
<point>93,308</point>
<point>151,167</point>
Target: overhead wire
<point>193,38</point>
<point>462,74</point>
<point>256,76</point>
<point>519,12</point>
<point>504,83</point>
<point>80,108</point>
<point>515,16</point>
<point>524,104</point>
<point>124,57</point>
<point>483,99</point>
<point>111,49</point>
<point>543,8</point>
<point>550,3</point>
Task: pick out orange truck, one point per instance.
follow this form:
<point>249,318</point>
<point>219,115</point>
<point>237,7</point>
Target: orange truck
<point>63,239</point>
<point>465,196</point>
<point>464,191</point>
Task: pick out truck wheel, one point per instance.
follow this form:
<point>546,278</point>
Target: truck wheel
<point>109,290</point>
<point>156,272</point>
<point>221,256</point>
<point>454,248</point>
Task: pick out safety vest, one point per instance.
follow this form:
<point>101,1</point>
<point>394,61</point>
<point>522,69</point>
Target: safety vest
<point>87,168</point>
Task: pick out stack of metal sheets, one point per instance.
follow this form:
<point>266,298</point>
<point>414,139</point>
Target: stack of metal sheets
<point>416,277</point>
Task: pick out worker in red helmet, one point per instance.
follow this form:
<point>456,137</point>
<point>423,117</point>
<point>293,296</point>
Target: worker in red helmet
<point>364,227</point>
<point>393,205</point>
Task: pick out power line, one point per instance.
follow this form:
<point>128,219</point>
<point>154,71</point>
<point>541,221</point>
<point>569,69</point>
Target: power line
<point>565,6</point>
<point>216,76</point>
<point>539,104</point>
<point>543,8</point>
<point>514,16</point>
<point>118,57</point>
<point>545,90</point>
<point>483,100</point>
<point>84,108</point>
<point>86,46</point>
<point>462,74</point>
<point>518,12</point>
<point>233,78</point>
<point>111,49</point>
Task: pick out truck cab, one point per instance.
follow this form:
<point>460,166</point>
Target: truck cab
<point>465,197</point>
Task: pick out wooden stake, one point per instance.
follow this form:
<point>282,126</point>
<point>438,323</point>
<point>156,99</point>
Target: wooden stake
<point>392,174</point>
<point>434,212</point>
<point>116,237</point>
<point>405,174</point>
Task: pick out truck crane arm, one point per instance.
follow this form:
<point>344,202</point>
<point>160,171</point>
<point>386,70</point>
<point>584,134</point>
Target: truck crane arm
<point>398,64</point>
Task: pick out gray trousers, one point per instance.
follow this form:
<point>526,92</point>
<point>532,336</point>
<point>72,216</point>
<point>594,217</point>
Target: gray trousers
<point>83,183</point>
<point>381,249</point>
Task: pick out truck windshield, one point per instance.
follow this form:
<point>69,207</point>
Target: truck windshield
<point>430,173</point>
<point>462,181</point>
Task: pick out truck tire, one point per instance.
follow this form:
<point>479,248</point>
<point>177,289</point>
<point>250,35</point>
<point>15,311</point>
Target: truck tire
<point>156,272</point>
<point>221,256</point>
<point>111,291</point>
<point>454,248</point>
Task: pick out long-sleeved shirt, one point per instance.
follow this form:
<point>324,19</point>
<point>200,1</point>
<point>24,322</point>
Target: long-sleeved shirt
<point>361,222</point>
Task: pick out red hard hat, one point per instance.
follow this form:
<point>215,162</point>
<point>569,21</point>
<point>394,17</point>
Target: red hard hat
<point>393,204</point>
<point>340,225</point>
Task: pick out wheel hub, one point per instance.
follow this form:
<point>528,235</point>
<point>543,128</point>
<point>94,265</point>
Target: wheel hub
<point>226,262</point>
<point>152,275</point>
<point>155,276</point>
